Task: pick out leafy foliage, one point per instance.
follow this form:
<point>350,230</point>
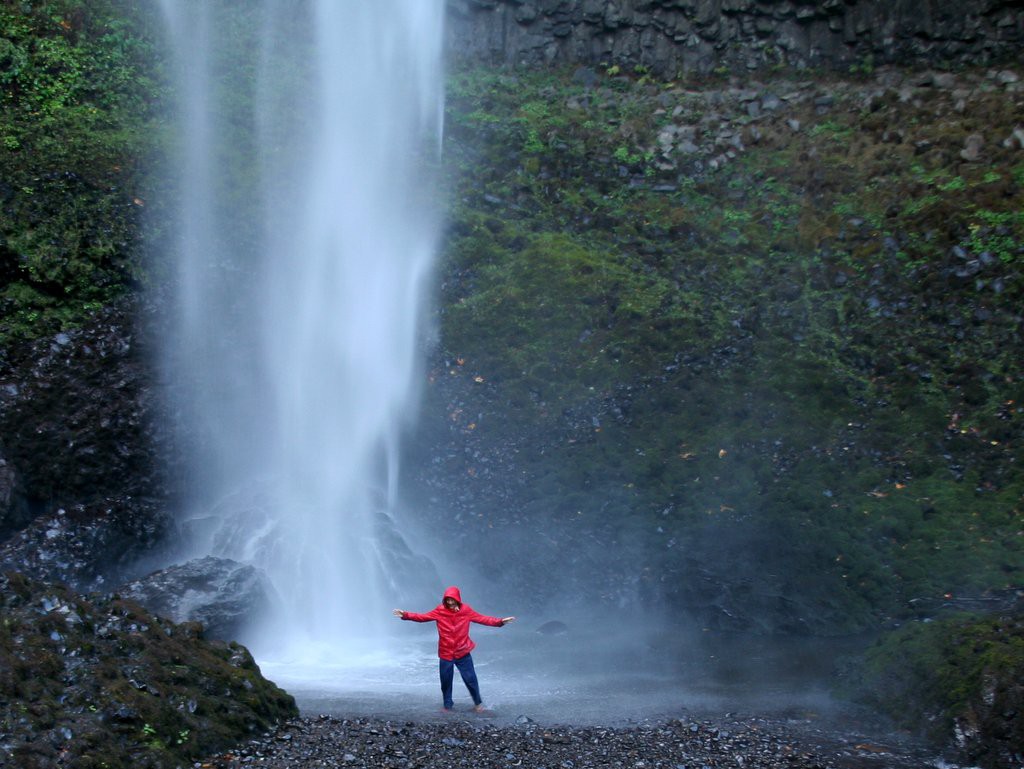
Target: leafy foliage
<point>80,97</point>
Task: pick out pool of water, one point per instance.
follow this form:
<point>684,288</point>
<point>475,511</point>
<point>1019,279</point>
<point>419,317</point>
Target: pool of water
<point>590,676</point>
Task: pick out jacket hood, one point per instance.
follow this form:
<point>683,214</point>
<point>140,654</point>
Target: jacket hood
<point>452,592</point>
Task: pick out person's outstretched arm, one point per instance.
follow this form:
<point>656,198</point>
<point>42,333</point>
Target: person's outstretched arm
<point>413,616</point>
<point>483,619</point>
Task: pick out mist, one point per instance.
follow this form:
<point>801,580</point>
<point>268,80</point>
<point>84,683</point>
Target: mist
<point>305,368</point>
<point>307,237</point>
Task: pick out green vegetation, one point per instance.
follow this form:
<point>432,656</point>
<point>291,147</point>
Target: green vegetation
<point>801,361</point>
<point>819,338</point>
<point>788,337</point>
<point>78,122</point>
<point>959,674</point>
<point>103,683</point>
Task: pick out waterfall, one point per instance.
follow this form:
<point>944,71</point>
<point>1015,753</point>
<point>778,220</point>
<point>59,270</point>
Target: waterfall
<point>305,237</point>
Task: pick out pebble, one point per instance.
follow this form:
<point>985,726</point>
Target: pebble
<point>317,741</point>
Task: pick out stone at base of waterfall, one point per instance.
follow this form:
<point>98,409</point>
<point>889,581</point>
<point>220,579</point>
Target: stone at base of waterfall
<point>224,595</point>
<point>553,627</point>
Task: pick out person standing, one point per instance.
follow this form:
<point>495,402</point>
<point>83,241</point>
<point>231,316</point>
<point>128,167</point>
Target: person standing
<point>453,642</point>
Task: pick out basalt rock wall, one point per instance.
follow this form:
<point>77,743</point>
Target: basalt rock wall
<point>671,37</point>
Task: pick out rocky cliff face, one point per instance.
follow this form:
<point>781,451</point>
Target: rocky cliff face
<point>667,37</point>
<point>82,486</point>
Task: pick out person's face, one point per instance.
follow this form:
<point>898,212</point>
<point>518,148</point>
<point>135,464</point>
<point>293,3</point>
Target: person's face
<point>451,604</point>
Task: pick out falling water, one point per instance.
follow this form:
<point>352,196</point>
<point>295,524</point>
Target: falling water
<point>305,238</point>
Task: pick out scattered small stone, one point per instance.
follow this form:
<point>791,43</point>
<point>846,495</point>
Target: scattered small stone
<point>761,744</point>
<point>972,148</point>
<point>1015,139</point>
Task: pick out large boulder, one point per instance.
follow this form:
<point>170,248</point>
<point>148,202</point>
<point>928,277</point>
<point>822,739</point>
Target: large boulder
<point>97,681</point>
<point>224,595</point>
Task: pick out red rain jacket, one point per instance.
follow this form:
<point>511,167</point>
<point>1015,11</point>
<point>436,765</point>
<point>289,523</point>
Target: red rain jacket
<point>453,639</point>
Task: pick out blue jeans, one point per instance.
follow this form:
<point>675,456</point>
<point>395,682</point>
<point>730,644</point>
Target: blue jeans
<point>468,673</point>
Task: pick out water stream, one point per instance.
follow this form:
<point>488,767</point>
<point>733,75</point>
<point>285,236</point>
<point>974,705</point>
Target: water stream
<point>305,238</point>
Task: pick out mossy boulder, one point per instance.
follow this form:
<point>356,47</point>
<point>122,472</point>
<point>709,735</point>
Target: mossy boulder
<point>958,680</point>
<point>100,682</point>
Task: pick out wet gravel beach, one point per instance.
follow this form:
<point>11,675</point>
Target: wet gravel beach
<point>469,740</point>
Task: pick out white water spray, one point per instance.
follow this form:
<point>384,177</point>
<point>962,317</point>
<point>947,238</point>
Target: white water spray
<point>305,240</point>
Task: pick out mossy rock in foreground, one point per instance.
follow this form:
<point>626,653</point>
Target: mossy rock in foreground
<point>100,682</point>
<point>959,680</point>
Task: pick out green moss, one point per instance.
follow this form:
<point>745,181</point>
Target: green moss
<point>962,671</point>
<point>800,308</point>
<point>130,689</point>
<point>77,120</point>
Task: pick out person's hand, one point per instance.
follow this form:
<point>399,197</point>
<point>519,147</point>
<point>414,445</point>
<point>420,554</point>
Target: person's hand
<point>506,620</point>
<point>397,612</point>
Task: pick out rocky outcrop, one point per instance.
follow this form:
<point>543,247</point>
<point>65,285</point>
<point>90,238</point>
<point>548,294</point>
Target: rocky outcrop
<point>102,682</point>
<point>83,486</point>
<point>86,549</point>
<point>669,37</point>
<point>222,594</point>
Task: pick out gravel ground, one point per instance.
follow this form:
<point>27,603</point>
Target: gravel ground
<point>469,740</point>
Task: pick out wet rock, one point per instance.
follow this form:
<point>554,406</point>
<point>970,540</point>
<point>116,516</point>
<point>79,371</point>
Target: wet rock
<point>972,148</point>
<point>14,512</point>
<point>554,627</point>
<point>585,76</point>
<point>120,683</point>
<point>1016,139</point>
<point>86,548</point>
<point>698,36</point>
<point>409,572</point>
<point>80,421</point>
<point>222,594</point>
